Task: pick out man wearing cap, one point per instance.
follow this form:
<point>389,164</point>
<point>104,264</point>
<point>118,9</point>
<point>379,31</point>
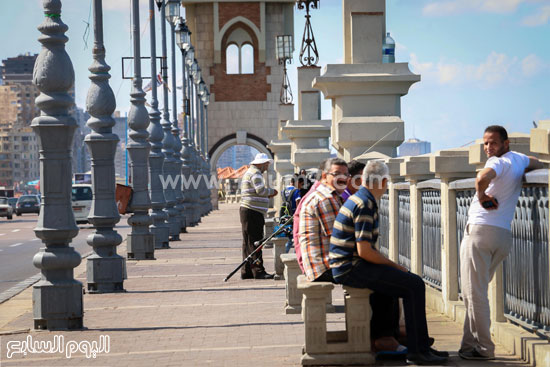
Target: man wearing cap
<point>254,205</point>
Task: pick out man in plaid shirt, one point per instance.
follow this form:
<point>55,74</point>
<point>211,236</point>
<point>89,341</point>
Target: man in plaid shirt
<point>317,217</point>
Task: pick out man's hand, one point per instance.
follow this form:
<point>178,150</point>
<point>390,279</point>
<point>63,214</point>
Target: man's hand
<point>275,192</point>
<point>485,198</point>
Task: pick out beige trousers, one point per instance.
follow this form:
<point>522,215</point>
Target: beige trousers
<point>482,249</point>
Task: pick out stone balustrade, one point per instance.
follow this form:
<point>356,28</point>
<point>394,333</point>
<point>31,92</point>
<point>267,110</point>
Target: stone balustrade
<point>422,222</point>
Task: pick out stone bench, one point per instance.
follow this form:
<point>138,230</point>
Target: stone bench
<point>291,272</point>
<point>348,347</point>
<point>278,250</point>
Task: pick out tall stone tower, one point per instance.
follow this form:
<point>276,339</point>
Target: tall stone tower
<point>235,47</point>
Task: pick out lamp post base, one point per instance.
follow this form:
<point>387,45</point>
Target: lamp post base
<point>105,274</point>
<point>57,306</point>
<point>141,246</point>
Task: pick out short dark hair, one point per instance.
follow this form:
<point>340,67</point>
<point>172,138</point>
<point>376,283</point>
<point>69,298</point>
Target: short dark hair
<point>355,168</point>
<point>334,162</point>
<point>497,129</point>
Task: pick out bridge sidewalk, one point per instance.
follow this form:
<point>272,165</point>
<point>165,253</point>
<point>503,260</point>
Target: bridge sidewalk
<point>177,311</point>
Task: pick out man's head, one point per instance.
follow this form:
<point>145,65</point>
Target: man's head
<point>355,171</point>
<point>495,141</point>
<point>375,177</point>
<point>261,161</point>
<point>335,174</point>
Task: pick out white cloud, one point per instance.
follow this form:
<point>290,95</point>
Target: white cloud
<point>453,7</point>
<point>496,69</point>
<point>531,65</point>
<point>541,17</point>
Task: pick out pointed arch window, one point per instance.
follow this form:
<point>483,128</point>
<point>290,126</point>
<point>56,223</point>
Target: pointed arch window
<point>239,53</point>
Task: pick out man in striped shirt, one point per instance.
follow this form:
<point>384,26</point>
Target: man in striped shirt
<point>317,216</point>
<point>254,205</point>
<point>356,262</point>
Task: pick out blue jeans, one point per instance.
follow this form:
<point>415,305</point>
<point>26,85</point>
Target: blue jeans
<point>389,281</point>
<point>289,244</point>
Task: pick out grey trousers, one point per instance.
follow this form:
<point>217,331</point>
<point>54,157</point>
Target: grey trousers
<point>482,249</point>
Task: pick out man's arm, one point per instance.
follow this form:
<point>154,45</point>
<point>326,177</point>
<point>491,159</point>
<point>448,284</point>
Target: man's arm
<point>534,164</point>
<point>261,189</point>
<point>483,179</point>
<point>370,254</point>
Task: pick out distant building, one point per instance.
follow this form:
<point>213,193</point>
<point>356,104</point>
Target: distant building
<point>414,147</point>
<point>120,156</point>
<point>18,69</point>
<point>19,155</point>
<point>237,156</point>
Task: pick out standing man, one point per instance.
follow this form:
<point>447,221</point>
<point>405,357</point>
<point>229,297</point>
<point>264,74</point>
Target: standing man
<point>317,219</point>
<point>488,238</point>
<point>357,263</point>
<point>254,205</point>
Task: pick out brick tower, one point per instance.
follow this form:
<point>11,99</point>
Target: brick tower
<point>235,47</point>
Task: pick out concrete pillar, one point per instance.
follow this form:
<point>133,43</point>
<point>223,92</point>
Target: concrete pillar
<point>364,30</point>
<point>105,268</point>
<point>293,304</point>
<point>57,297</point>
<point>450,165</point>
<point>416,169</point>
<point>309,134</point>
<point>394,165</point>
<point>279,249</point>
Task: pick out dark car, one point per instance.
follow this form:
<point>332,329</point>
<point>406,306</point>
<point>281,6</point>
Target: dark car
<point>27,204</point>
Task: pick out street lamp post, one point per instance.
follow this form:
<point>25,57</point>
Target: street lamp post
<point>195,80</point>
<point>168,140</point>
<point>175,129</point>
<point>283,54</point>
<point>206,101</point>
<point>159,228</point>
<point>204,185</point>
<point>105,268</point>
<point>141,242</point>
<point>57,297</point>
<point>184,43</point>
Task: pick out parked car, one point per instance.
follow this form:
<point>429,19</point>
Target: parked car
<point>81,202</point>
<point>5,209</point>
<point>13,203</point>
<point>27,204</point>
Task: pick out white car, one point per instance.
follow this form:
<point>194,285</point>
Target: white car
<point>6,209</point>
<point>81,202</point>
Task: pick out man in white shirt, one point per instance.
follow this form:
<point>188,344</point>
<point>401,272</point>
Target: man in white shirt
<point>488,237</point>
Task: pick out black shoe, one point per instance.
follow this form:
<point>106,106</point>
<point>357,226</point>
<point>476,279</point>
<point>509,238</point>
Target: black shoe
<point>473,355</point>
<point>425,359</point>
<point>263,275</point>
<point>439,353</point>
<point>247,276</point>
<point>431,341</point>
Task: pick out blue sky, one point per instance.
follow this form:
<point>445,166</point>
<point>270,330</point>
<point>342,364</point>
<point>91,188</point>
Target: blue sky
<point>481,61</point>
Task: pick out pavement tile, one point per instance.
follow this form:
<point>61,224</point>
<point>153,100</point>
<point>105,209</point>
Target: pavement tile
<point>177,311</point>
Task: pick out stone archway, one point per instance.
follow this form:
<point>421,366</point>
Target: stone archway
<point>238,138</point>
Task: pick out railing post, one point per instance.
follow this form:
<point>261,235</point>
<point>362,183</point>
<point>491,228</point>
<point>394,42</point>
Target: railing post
<point>393,210</point>
<point>416,169</point>
<point>449,165</point>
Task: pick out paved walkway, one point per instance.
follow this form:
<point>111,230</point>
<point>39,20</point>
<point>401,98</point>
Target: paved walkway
<point>177,311</point>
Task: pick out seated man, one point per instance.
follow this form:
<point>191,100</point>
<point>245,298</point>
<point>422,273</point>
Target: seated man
<point>317,218</point>
<point>354,183</point>
<point>356,262</point>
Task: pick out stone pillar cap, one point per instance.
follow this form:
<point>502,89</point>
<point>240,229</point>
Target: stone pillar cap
<point>540,140</point>
<point>416,168</point>
<point>307,129</point>
<point>394,165</point>
<point>277,146</point>
<point>452,163</point>
<point>364,158</point>
<point>365,79</point>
